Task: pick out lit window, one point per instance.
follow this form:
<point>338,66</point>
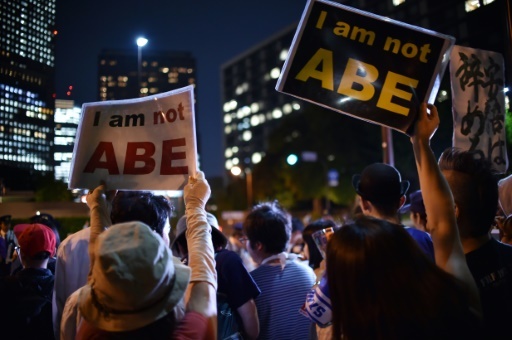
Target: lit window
<point>235,161</point>
<point>228,129</point>
<point>228,153</point>
<point>277,113</point>
<point>255,107</point>
<point>471,5</point>
<point>283,55</point>
<point>227,118</point>
<point>247,135</point>
<point>287,108</point>
<point>398,2</point>
<point>234,149</point>
<point>255,120</point>
<point>256,157</point>
<point>274,74</point>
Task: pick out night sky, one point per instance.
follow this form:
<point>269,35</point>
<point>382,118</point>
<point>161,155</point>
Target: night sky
<point>214,32</point>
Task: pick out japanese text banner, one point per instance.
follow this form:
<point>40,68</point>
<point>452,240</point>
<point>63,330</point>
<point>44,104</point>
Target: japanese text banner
<point>478,104</point>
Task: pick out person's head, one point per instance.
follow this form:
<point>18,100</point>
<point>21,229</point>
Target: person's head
<point>381,189</point>
<point>153,210</point>
<point>5,223</point>
<point>50,222</point>
<point>268,230</point>
<point>37,244</point>
<point>311,250</point>
<point>474,187</point>
<point>296,241</point>
<point>505,195</point>
<point>416,209</point>
<point>135,281</point>
<point>179,245</point>
<point>379,279</point>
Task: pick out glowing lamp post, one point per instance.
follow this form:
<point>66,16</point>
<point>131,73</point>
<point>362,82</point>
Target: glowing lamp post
<point>141,42</point>
<point>237,171</point>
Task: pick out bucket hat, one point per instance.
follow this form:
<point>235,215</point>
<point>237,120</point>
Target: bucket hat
<point>134,281</point>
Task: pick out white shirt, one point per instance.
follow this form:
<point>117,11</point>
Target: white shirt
<point>71,271</point>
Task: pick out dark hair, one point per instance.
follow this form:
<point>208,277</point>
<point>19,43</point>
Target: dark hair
<point>315,257</point>
<point>269,224</point>
<point>383,286</point>
<point>474,189</point>
<point>143,206</point>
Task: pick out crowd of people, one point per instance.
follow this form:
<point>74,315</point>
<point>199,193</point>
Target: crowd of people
<point>441,277</point>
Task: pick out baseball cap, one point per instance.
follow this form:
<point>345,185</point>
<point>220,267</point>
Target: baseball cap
<point>415,203</point>
<point>379,182</point>
<point>35,238</point>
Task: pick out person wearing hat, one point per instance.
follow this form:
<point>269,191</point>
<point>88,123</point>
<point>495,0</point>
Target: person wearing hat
<point>26,311</point>
<point>381,193</point>
<point>416,210</point>
<point>231,275</point>
<point>135,284</point>
<point>73,259</point>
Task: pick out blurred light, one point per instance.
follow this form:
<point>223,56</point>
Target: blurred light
<point>247,135</point>
<point>236,171</point>
<point>275,72</point>
<point>292,159</point>
<point>141,42</point>
<point>256,158</point>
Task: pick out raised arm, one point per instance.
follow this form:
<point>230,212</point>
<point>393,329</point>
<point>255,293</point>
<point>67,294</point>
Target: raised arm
<point>100,208</point>
<point>202,290</point>
<point>439,203</point>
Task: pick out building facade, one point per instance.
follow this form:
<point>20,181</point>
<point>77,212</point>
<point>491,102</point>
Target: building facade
<point>120,76</point>
<point>252,107</point>
<point>27,87</point>
<point>67,118</point>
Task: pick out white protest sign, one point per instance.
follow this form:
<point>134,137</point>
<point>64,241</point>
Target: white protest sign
<point>478,104</point>
<point>136,144</point>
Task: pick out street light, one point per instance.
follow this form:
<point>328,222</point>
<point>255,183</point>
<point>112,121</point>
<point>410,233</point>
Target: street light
<point>141,42</point>
<point>237,171</point>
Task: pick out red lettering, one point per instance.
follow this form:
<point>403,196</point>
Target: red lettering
<point>132,158</point>
<point>110,159</point>
<point>168,116</point>
<point>168,156</point>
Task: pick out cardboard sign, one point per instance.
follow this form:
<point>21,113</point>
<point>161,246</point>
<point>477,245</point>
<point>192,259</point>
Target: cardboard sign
<point>136,144</point>
<point>478,104</point>
<point>364,65</point>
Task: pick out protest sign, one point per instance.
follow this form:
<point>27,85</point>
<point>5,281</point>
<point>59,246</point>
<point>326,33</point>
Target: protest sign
<point>136,144</point>
<point>478,104</point>
<point>364,65</point>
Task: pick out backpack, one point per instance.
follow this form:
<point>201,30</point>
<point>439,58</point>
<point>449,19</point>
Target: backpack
<point>227,327</point>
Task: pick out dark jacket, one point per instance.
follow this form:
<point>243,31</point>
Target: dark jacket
<point>26,309</point>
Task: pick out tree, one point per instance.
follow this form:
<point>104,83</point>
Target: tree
<point>48,189</point>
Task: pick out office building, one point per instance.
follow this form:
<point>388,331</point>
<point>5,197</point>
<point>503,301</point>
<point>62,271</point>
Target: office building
<point>252,107</point>
<point>27,53</point>
<point>120,76</point>
<point>67,118</point>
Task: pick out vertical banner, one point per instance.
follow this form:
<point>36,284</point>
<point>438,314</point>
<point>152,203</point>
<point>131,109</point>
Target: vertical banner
<point>478,104</point>
<point>136,144</point>
<point>364,65</point>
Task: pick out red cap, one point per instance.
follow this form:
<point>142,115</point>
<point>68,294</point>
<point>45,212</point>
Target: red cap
<point>35,238</point>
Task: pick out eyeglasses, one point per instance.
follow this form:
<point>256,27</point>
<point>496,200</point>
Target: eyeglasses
<point>243,239</point>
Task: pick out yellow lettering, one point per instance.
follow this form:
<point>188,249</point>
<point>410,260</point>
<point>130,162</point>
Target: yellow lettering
<point>325,74</point>
<point>363,34</point>
<point>396,45</point>
<point>342,28</point>
<point>425,49</point>
<point>389,91</point>
<point>352,75</point>
<point>321,20</point>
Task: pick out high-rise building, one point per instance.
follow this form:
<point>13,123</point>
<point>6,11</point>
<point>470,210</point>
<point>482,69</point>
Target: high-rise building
<point>27,53</point>
<point>252,107</point>
<point>67,118</point>
<point>120,76</point>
